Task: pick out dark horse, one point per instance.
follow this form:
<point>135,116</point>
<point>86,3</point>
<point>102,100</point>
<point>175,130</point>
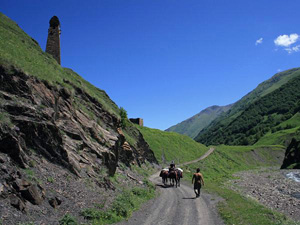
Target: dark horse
<point>173,177</point>
<point>164,175</point>
<point>179,175</point>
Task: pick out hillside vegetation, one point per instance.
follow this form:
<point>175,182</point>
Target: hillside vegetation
<point>168,146</point>
<point>283,133</point>
<point>192,126</point>
<point>258,117</point>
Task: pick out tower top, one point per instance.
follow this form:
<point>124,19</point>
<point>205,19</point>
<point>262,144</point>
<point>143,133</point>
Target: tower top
<point>54,22</point>
<point>53,41</point>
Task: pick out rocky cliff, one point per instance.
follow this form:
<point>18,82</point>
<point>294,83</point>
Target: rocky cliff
<point>45,137</point>
<point>61,145</point>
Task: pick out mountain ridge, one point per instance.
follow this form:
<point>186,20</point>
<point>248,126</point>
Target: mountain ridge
<point>193,125</point>
<point>271,103</point>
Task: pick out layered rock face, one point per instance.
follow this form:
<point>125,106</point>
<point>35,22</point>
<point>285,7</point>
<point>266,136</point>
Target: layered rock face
<point>48,129</point>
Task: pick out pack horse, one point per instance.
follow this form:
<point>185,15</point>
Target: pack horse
<point>173,175</point>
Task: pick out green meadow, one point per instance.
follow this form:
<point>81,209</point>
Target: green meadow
<point>168,146</point>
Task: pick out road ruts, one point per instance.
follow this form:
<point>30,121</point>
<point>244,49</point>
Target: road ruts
<point>177,206</point>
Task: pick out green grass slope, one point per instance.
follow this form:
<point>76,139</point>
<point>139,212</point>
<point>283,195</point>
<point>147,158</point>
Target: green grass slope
<point>18,51</point>
<point>266,88</point>
<point>219,168</point>
<point>168,146</point>
<point>260,117</point>
<point>192,126</point>
<point>283,133</point>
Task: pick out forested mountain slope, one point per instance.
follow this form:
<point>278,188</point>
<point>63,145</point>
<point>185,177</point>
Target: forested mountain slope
<point>270,104</point>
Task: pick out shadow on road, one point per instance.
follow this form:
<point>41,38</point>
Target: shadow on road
<point>190,198</point>
<point>164,186</point>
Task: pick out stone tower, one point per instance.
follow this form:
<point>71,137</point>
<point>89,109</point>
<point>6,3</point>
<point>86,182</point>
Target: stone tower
<point>53,41</point>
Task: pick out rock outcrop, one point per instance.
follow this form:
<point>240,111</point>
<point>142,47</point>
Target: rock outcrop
<point>50,133</point>
<point>292,155</point>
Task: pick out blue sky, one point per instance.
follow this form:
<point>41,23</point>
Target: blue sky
<point>166,60</point>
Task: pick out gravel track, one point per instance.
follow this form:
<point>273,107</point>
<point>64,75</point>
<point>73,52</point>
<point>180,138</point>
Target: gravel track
<point>177,206</point>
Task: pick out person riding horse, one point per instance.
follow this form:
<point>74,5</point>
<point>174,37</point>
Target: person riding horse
<point>172,167</point>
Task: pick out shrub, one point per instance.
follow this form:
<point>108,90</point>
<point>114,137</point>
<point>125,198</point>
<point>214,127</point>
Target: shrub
<point>68,220</point>
<point>124,119</point>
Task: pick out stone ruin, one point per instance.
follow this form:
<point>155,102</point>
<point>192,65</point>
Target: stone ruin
<point>53,41</point>
<point>138,121</point>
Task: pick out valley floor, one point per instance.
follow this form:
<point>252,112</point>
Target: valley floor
<point>272,188</point>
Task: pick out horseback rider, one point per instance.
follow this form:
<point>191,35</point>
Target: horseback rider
<point>172,167</point>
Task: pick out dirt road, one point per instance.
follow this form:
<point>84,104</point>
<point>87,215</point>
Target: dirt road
<point>177,206</point>
<point>211,150</point>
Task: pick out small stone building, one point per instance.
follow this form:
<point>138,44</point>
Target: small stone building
<point>138,121</point>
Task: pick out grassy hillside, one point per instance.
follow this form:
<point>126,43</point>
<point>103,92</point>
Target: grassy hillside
<point>283,133</point>
<point>234,115</point>
<point>18,51</point>
<point>219,167</point>
<point>168,146</point>
<point>59,136</point>
<point>258,118</point>
<point>226,160</point>
<point>192,126</point>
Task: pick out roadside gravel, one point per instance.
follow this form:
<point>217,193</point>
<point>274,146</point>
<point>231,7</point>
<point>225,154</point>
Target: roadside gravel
<point>272,188</point>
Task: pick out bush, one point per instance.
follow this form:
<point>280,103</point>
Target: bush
<point>124,119</point>
<point>68,220</point>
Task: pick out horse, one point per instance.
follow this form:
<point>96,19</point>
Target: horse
<point>164,175</point>
<point>179,175</point>
<point>173,177</point>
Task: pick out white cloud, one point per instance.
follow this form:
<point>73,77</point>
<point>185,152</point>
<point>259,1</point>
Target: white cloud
<point>286,40</point>
<point>259,41</point>
<point>293,49</point>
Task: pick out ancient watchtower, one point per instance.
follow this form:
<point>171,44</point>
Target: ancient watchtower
<point>53,41</point>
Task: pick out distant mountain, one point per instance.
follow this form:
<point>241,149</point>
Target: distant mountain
<point>270,104</point>
<point>192,126</point>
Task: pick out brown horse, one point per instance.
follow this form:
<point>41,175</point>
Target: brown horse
<point>179,175</point>
<point>164,175</point>
<point>173,177</point>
